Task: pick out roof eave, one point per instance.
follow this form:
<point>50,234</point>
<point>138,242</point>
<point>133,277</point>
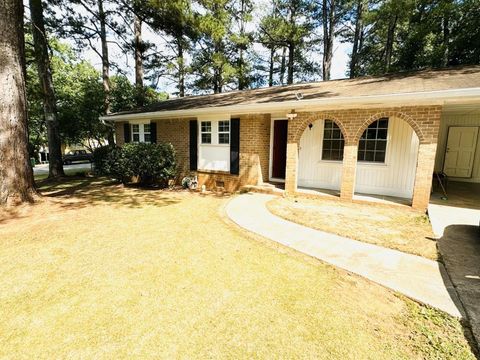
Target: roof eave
<point>413,98</point>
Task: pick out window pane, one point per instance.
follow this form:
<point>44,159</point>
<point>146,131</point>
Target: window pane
<point>224,138</point>
<point>224,126</point>
<point>383,123</point>
<point>361,155</point>
<point>206,126</point>
<point>326,154</point>
<point>337,155</point>
<point>333,142</point>
<point>328,124</point>
<point>370,144</point>
<point>327,144</point>
<point>135,128</point>
<point>373,143</point>
<point>146,137</point>
<point>362,144</point>
<point>381,145</point>
<point>206,138</point>
<point>369,155</point>
<point>371,134</point>
<point>337,144</point>
<point>380,156</point>
<point>136,137</point>
<point>382,134</point>
<point>146,128</point>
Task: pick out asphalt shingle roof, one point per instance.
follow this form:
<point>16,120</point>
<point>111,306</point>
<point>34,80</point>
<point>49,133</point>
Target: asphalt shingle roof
<point>405,82</point>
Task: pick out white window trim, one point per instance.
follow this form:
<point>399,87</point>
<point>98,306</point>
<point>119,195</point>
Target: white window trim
<point>211,155</point>
<point>224,132</point>
<point>141,132</point>
<point>214,133</point>
<point>206,132</point>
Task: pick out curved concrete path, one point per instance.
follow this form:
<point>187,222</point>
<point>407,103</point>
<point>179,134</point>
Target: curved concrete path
<point>416,277</point>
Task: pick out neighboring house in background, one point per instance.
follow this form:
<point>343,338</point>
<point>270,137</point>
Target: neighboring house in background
<point>371,135</point>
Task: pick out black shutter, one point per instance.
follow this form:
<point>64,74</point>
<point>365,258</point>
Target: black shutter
<point>153,132</point>
<point>193,144</point>
<point>235,146</point>
<point>126,133</point>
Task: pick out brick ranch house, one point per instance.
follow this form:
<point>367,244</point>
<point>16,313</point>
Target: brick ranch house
<point>380,135</point>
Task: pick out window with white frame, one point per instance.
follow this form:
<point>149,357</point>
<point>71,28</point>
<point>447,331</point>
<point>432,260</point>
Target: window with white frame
<point>224,132</point>
<point>206,132</point>
<point>141,133</point>
<point>372,146</point>
<point>214,145</point>
<point>333,141</point>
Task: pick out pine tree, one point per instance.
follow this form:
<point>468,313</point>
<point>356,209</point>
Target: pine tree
<point>289,31</point>
<point>42,59</point>
<point>16,176</point>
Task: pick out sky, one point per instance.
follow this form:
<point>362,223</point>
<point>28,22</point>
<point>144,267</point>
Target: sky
<point>126,62</point>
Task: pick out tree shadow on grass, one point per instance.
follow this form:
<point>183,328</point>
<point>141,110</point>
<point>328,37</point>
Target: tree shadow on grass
<point>78,192</point>
<point>8,214</point>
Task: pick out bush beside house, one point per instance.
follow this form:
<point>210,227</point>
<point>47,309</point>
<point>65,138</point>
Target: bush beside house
<point>147,163</point>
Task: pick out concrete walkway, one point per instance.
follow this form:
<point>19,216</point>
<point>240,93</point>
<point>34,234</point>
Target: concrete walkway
<point>416,277</point>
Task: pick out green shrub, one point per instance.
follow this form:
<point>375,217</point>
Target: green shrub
<point>147,162</point>
<point>99,157</point>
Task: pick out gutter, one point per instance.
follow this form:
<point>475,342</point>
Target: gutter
<point>437,97</point>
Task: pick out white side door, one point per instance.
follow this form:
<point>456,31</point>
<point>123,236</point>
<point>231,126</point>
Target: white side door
<point>460,152</point>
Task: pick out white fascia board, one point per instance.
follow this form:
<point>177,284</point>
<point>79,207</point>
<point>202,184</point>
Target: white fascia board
<point>411,98</point>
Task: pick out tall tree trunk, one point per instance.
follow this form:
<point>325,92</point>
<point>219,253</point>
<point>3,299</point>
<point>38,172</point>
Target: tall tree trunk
<point>291,62</point>
<point>105,70</point>
<point>241,69</point>
<point>217,71</point>
<point>283,64</point>
<point>16,176</point>
<point>270,71</point>
<point>181,67</point>
<point>390,40</point>
<point>139,61</point>
<point>446,37</point>
<point>291,45</point>
<point>357,39</point>
<point>328,14</point>
<point>55,168</point>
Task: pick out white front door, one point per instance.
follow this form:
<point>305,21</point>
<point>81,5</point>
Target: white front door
<point>461,146</point>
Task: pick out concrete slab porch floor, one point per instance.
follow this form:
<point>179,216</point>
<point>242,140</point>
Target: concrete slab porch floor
<point>416,277</point>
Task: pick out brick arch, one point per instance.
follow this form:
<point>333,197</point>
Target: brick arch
<point>401,115</point>
<point>311,119</point>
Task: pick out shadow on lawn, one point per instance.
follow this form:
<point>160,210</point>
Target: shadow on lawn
<point>96,191</point>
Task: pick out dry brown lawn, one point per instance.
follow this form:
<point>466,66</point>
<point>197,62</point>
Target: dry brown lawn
<point>96,270</point>
<point>394,227</point>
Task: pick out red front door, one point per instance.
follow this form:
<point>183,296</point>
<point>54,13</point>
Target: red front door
<point>280,132</point>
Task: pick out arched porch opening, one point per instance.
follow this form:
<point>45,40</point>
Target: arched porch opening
<point>387,157</point>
